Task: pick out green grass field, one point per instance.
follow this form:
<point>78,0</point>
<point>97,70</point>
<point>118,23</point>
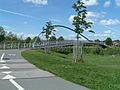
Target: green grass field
<point>99,72</point>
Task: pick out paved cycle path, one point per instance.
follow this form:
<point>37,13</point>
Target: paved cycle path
<point>16,73</point>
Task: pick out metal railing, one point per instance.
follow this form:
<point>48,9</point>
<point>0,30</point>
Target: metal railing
<point>42,44</point>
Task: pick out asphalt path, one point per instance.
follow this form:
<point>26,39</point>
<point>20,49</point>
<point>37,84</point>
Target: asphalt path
<point>16,73</point>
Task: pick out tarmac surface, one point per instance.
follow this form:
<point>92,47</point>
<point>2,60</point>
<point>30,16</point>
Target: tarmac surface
<point>16,73</point>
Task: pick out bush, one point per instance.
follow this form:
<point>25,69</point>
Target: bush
<point>98,50</point>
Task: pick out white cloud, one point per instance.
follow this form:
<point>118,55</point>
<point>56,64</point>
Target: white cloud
<point>107,4</point>
<point>101,36</point>
<point>6,27</point>
<point>90,2</point>
<point>25,22</point>
<point>55,20</point>
<point>71,18</point>
<point>110,22</point>
<point>90,20</point>
<point>117,3</point>
<point>29,35</point>
<point>94,14</point>
<point>108,32</point>
<point>38,2</point>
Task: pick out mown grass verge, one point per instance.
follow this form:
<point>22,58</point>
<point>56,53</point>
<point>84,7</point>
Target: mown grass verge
<point>99,72</point>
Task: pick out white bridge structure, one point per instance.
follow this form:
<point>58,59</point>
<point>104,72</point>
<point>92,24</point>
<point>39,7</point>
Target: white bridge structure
<point>65,43</point>
<point>44,44</point>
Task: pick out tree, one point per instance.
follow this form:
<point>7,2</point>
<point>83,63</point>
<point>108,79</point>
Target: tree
<point>80,21</point>
<point>52,38</point>
<point>2,34</point>
<point>9,36</point>
<point>97,40</point>
<point>81,24</point>
<point>108,41</point>
<point>48,30</point>
<point>60,38</point>
<point>27,40</point>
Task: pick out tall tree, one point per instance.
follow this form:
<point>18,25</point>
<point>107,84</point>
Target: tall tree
<point>108,41</point>
<point>2,34</point>
<point>81,24</point>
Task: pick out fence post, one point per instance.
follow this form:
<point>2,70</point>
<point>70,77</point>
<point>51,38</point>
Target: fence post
<point>18,45</point>
<point>11,45</point>
<point>4,46</point>
<point>29,45</point>
<point>24,45</point>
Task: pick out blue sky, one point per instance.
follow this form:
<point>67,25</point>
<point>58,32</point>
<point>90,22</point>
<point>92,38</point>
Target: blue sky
<point>27,17</point>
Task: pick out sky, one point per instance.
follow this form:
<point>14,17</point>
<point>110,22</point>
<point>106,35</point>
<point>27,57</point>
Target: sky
<point>27,17</point>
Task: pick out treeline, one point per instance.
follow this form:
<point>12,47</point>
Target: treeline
<point>109,41</point>
<point>11,37</point>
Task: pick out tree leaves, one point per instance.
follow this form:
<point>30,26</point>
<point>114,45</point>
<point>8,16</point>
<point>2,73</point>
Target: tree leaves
<point>48,30</point>
<point>79,21</point>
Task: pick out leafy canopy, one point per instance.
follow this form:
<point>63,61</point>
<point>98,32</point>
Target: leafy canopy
<point>48,30</point>
<point>80,21</point>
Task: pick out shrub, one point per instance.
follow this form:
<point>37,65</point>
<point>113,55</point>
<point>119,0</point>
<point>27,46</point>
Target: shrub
<point>98,50</point>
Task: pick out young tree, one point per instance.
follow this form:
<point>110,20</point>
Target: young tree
<point>108,41</point>
<point>81,24</point>
<point>48,30</point>
<point>2,34</point>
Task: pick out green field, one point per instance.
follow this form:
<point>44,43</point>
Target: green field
<point>99,72</point>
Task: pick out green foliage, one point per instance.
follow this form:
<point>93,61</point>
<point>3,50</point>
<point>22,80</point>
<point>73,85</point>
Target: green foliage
<point>98,50</point>
<point>2,34</point>
<point>48,30</point>
<point>108,41</point>
<point>80,22</point>
<point>52,38</point>
<point>60,38</point>
<point>63,50</point>
<point>97,40</point>
<point>28,40</point>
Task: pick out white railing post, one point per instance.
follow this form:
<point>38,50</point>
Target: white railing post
<point>4,46</point>
<point>11,45</point>
<point>18,45</point>
<point>24,45</point>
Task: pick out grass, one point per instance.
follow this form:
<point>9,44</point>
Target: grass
<point>99,72</point>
